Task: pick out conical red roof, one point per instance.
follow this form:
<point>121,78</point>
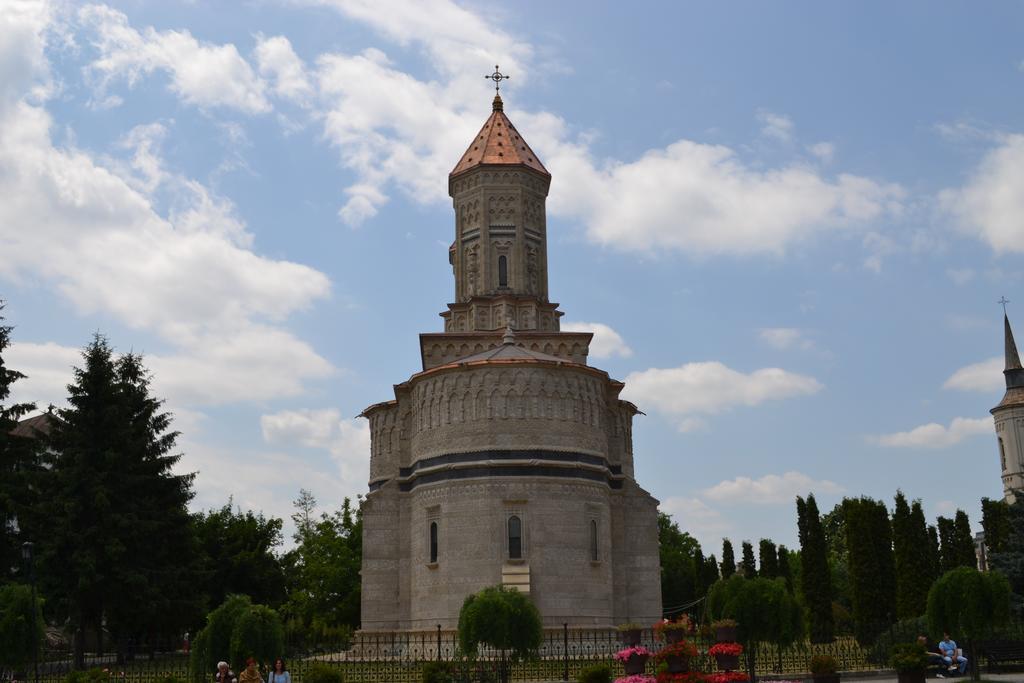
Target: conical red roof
<point>498,144</point>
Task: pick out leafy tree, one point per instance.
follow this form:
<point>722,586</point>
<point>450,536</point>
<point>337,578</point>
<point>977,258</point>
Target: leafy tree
<point>995,520</point>
<point>910,552</point>
<point>872,572</point>
<point>18,639</point>
<point>963,541</point>
<point>928,562</point>
<point>1010,560</point>
<point>18,457</point>
<point>504,619</point>
<point>678,551</point>
<point>768,559</point>
<point>323,569</point>
<point>709,574</point>
<point>728,559</point>
<point>747,566</point>
<point>763,607</point>
<point>947,552</point>
<point>970,603</point>
<point>237,550</point>
<point>257,633</point>
<point>934,553</point>
<point>785,569</point>
<point>215,637</point>
<point>815,573</point>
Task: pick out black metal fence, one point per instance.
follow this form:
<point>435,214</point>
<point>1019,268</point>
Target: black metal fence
<point>400,657</point>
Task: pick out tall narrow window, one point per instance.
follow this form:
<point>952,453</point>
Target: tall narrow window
<point>593,541</point>
<point>433,542</point>
<point>1002,454</point>
<point>515,538</point>
<point>503,271</point>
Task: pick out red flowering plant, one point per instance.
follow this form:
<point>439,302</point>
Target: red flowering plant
<point>624,654</point>
<point>726,649</point>
<point>682,623</point>
<point>636,678</point>
<point>728,677</point>
<point>688,677</point>
<point>680,649</point>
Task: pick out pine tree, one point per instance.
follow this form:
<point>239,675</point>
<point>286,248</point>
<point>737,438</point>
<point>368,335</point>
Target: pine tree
<point>728,559</point>
<point>910,552</point>
<point>785,571</point>
<point>747,566</point>
<point>768,559</point>
<point>963,541</point>
<point>995,520</point>
<point>815,573</point>
<point>18,457</point>
<point>872,572</point>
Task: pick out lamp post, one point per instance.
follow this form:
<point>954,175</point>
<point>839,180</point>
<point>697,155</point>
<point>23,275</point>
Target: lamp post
<point>26,554</point>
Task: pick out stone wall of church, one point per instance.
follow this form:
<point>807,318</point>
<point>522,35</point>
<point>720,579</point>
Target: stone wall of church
<point>637,562</point>
<point>1009,423</point>
<point>439,349</point>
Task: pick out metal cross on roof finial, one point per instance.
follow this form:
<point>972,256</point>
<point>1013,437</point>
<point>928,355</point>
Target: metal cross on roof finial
<point>1003,300</point>
<point>497,77</point>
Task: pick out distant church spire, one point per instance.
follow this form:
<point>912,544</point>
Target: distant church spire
<point>1012,357</point>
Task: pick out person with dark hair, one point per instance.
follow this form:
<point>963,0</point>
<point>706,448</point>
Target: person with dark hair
<point>952,655</point>
<point>279,674</point>
<point>934,658</point>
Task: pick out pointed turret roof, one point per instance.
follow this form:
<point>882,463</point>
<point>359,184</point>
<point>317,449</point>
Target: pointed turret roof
<point>498,144</point>
<point>1013,373</point>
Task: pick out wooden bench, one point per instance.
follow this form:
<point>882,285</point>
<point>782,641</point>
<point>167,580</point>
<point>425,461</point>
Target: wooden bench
<point>1001,653</point>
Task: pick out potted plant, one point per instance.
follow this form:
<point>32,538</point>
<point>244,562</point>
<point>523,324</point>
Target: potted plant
<point>633,658</point>
<point>673,631</point>
<point>630,633</point>
<point>676,656</point>
<point>910,661</point>
<point>725,630</point>
<point>727,655</point>
<point>823,669</point>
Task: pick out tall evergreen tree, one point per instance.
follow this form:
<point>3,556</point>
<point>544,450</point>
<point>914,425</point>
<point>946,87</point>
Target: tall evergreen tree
<point>18,456</point>
<point>872,572</point>
<point>934,552</point>
<point>929,551</point>
<point>747,566</point>
<point>815,573</point>
<point>785,570</point>
<point>678,573</point>
<point>910,552</point>
<point>728,559</point>
<point>1010,560</point>
<point>768,559</point>
<point>947,554</point>
<point>995,520</point>
<point>710,574</point>
<point>963,541</point>
<point>121,548</point>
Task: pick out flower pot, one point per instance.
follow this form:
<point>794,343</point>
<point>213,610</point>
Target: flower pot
<point>725,634</point>
<point>677,664</point>
<point>910,677</point>
<point>631,637</point>
<point>728,662</point>
<point>674,635</point>
<point>828,678</point>
<point>635,664</point>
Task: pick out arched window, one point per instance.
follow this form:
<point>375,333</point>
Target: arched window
<point>515,538</point>
<point>593,541</point>
<point>1002,454</point>
<point>503,271</point>
<point>433,542</point>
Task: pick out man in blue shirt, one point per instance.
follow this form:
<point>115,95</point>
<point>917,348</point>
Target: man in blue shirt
<point>950,654</point>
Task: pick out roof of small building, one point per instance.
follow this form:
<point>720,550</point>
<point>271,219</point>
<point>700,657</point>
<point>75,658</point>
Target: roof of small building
<point>32,427</point>
<point>498,144</point>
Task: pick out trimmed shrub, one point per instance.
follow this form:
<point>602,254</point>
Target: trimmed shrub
<point>437,672</point>
<point>599,673</point>
<point>258,633</point>
<point>905,631</point>
<point>322,673</point>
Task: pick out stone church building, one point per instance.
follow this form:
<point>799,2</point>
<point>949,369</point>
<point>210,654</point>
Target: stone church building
<point>1009,418</point>
<point>507,459</point>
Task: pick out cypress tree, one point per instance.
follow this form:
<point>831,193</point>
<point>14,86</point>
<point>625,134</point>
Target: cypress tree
<point>710,572</point>
<point>785,571</point>
<point>1010,559</point>
<point>910,552</point>
<point>18,456</point>
<point>728,559</point>
<point>815,573</point>
<point>947,552</point>
<point>963,541</point>
<point>747,566</point>
<point>768,559</point>
<point>928,554</point>
<point>934,553</point>
<point>871,565</point>
<point>995,520</point>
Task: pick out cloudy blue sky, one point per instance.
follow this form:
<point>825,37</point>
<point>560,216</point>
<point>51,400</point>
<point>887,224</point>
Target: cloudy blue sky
<point>788,224</point>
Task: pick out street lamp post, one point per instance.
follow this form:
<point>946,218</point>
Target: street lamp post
<point>26,554</point>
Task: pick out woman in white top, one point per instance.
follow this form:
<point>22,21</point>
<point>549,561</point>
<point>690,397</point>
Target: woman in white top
<point>279,674</point>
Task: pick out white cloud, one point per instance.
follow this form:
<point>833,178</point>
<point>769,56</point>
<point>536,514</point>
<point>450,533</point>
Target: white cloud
<point>770,489</point>
<point>201,74</point>
<point>824,151</point>
<point>347,440</point>
<point>606,342</point>
<point>711,387</point>
<point>279,64</point>
<point>701,521</point>
<point>784,338</point>
<point>47,368</point>
<point>989,206</point>
<point>775,126</point>
<point>934,435</point>
<point>986,376</point>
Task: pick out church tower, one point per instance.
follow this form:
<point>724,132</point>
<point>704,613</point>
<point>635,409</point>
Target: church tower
<point>507,459</point>
<point>1009,418</point>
